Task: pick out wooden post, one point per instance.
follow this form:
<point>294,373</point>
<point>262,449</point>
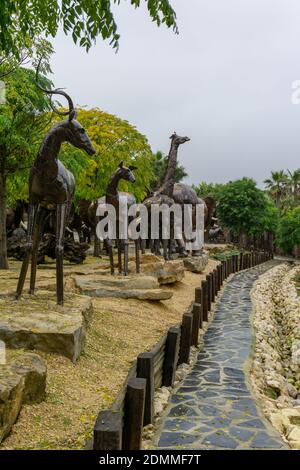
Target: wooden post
<point>227,267</point>
<point>171,356</point>
<point>145,370</point>
<point>196,324</point>
<point>223,271</point>
<point>108,431</point>
<point>215,273</point>
<point>218,278</point>
<point>185,338</point>
<point>134,414</point>
<point>204,303</point>
<point>212,277</point>
<point>219,271</point>
<point>198,295</point>
<point>241,261</point>
<point>208,279</point>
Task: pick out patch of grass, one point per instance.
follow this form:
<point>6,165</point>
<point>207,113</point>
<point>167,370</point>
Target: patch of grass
<point>224,255</point>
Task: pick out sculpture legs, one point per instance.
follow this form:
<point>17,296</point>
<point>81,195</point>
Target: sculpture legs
<point>37,232</point>
<point>143,246</point>
<point>119,246</point>
<point>31,224</point>
<point>61,215</point>
<point>157,247</point>
<point>137,255</point>
<point>96,244</point>
<point>111,256</point>
<point>126,257</point>
<point>165,249</point>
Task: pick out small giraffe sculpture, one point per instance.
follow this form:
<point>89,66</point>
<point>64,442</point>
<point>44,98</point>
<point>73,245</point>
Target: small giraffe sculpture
<point>51,187</point>
<point>112,196</point>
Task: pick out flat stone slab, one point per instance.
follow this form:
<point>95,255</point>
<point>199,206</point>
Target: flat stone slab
<point>37,322</point>
<point>135,287</point>
<point>22,380</point>
<point>196,264</point>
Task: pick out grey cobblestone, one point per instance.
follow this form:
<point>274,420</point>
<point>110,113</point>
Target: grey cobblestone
<point>214,408</point>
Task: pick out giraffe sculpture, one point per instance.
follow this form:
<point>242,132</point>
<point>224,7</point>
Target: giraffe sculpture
<point>112,196</point>
<point>51,187</point>
<point>179,192</point>
<point>164,194</point>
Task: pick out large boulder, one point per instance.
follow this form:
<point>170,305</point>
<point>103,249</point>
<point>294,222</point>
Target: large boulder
<point>166,272</point>
<point>34,370</point>
<point>196,264</point>
<point>39,323</point>
<point>22,380</point>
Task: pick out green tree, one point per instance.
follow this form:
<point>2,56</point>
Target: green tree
<point>277,187</point>
<point>245,209</point>
<point>22,121</point>
<point>160,163</point>
<point>294,186</point>
<point>208,190</point>
<point>84,20</point>
<point>288,233</point>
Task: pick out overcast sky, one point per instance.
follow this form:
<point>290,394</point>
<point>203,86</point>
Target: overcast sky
<point>225,82</point>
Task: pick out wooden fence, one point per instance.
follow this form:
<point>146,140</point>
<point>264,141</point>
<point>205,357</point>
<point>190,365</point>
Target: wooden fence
<point>121,426</point>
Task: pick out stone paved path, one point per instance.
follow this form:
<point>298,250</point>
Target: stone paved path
<point>214,408</point>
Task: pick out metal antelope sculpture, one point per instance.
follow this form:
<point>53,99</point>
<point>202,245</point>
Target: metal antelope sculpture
<point>51,187</point>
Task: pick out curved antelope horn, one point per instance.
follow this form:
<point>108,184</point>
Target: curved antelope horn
<point>58,91</point>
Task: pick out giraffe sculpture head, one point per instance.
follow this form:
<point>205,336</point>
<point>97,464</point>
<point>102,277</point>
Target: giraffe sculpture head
<point>126,173</point>
<point>178,140</point>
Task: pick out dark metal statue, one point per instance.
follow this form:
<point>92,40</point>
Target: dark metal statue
<point>112,196</point>
<point>164,194</point>
<point>51,187</point>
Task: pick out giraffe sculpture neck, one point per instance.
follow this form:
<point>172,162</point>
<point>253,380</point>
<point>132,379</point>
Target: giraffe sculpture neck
<point>46,160</point>
<point>112,188</point>
<point>167,187</point>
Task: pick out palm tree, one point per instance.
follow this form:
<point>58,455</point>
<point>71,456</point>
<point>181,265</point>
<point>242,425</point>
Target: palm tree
<point>294,186</point>
<point>277,186</point>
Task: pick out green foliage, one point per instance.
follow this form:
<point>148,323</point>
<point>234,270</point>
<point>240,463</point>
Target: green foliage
<point>115,140</point>
<point>83,20</point>
<point>160,164</point>
<point>245,209</point>
<point>284,188</point>
<point>224,255</point>
<point>288,233</point>
<point>208,190</point>
<point>22,122</point>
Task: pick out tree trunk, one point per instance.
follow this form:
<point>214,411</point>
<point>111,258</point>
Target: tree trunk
<point>3,245</point>
<point>243,240</point>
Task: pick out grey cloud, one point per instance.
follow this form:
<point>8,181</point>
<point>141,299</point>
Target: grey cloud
<point>225,81</point>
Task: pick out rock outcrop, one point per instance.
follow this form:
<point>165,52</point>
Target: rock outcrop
<point>22,380</point>
<point>39,323</point>
<point>196,264</point>
<point>129,287</point>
